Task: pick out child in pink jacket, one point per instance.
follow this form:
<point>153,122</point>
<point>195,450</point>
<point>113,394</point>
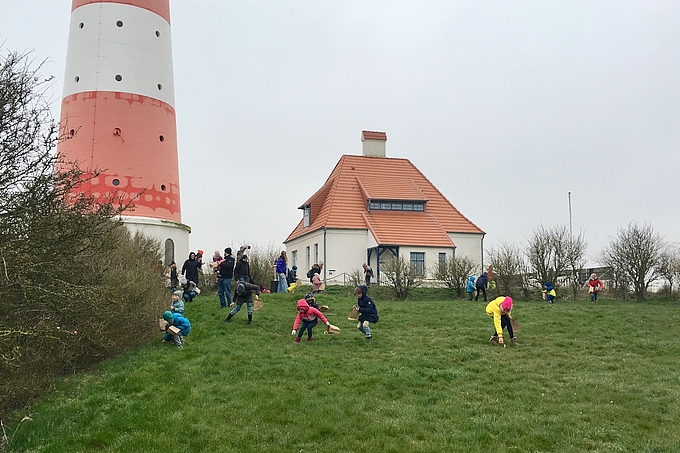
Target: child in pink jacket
<point>308,317</point>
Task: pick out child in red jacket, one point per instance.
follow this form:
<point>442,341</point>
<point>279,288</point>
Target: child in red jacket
<point>308,317</point>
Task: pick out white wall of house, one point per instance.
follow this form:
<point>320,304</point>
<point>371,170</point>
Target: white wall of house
<point>345,251</point>
<point>470,245</point>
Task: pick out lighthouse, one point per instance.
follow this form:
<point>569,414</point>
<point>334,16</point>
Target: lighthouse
<point>118,113</point>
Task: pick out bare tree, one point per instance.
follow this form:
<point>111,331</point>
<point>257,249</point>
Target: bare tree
<point>575,258</point>
<point>636,254</point>
<point>548,253</point>
<point>669,267</point>
<point>510,267</point>
<point>454,273</point>
<point>400,276</point>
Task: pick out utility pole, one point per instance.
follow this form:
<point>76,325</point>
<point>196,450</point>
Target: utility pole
<point>571,236</point>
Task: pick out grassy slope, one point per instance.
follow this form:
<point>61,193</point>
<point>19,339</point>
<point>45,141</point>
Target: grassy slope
<point>584,378</point>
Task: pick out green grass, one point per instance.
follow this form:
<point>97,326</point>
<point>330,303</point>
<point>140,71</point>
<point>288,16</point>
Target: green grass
<point>584,378</point>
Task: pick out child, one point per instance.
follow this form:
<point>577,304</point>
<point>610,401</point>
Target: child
<point>368,312</point>
<point>470,287</point>
<point>594,285</point>
<point>308,316</point>
<point>181,323</point>
<point>499,309</point>
<point>177,305</point>
<point>316,284</point>
<point>244,293</point>
<point>309,298</point>
<point>174,281</point>
<point>550,293</point>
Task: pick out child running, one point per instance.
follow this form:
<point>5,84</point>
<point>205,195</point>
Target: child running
<point>550,293</point>
<point>368,312</point>
<point>499,309</point>
<point>308,317</point>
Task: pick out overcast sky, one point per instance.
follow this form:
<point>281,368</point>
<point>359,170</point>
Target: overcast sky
<point>505,106</point>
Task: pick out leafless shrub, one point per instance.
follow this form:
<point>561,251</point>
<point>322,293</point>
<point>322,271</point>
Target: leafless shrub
<point>400,277</point>
<point>454,273</point>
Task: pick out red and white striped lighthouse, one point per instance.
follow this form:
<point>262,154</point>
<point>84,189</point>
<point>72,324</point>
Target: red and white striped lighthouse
<point>119,109</point>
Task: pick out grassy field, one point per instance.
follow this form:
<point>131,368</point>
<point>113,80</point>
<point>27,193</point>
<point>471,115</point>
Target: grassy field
<point>584,377</point>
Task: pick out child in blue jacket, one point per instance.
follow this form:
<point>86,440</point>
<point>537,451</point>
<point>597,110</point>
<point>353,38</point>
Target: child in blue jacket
<point>179,321</point>
<point>470,287</point>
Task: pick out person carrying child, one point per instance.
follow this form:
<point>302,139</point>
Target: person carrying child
<point>368,313</point>
<point>179,321</point>
<point>470,289</point>
<point>500,309</point>
<point>308,317</point>
<point>177,305</point>
<point>550,293</point>
<point>244,293</point>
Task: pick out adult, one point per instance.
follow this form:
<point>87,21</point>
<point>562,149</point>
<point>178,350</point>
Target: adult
<point>281,270</point>
<point>225,272</point>
<point>242,269</point>
<point>190,268</point>
<point>481,285</point>
<point>316,269</point>
<point>594,285</point>
<point>368,274</point>
<point>189,289</point>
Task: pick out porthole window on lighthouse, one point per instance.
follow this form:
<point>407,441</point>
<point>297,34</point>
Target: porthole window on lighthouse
<point>158,34</point>
<point>119,77</point>
<point>119,23</point>
<point>161,138</point>
<point>160,87</point>
<point>81,25</point>
<point>116,182</point>
<point>77,79</point>
<point>163,187</point>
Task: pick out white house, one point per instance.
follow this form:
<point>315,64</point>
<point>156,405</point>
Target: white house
<point>372,207</point>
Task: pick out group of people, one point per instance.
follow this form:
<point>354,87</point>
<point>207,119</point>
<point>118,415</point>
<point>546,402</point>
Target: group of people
<point>480,285</point>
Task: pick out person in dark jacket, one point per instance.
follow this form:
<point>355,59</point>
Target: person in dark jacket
<point>225,272</point>
<point>481,285</point>
<point>292,275</point>
<point>190,268</point>
<point>244,293</point>
<point>368,313</point>
<point>242,269</point>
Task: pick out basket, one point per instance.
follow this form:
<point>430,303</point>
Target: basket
<point>332,329</point>
<point>353,315</point>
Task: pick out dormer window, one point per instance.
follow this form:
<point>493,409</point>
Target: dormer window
<point>307,216</point>
<point>387,205</point>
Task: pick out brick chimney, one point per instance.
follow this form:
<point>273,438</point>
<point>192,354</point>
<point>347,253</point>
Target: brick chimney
<point>373,143</point>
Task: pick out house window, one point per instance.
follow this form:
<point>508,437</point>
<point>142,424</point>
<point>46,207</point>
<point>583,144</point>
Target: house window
<point>384,205</point>
<point>316,253</point>
<point>418,263</point>
<point>169,252</point>
<point>442,261</point>
<point>309,265</point>
<point>307,216</point>
<point>294,256</point>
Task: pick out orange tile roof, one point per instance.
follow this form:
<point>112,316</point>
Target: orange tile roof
<point>343,200</point>
<point>373,135</point>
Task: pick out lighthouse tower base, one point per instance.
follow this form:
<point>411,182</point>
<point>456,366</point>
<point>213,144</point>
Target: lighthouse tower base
<point>173,236</point>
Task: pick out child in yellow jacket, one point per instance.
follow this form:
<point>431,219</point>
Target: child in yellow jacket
<point>499,309</point>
